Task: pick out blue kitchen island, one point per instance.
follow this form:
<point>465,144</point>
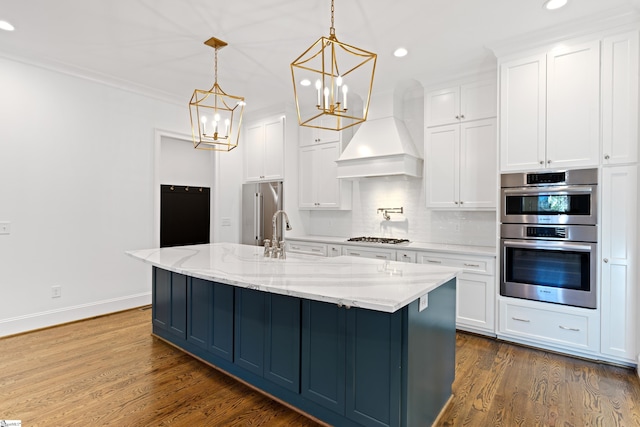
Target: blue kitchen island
<point>347,341</point>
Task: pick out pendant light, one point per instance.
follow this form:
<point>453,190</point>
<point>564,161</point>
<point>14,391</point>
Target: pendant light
<point>215,115</point>
<point>332,83</point>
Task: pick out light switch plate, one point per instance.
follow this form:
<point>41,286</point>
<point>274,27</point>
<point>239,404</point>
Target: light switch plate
<point>424,302</point>
<point>5,227</point>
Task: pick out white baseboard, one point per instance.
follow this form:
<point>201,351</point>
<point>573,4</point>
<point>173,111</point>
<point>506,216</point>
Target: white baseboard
<point>45,319</point>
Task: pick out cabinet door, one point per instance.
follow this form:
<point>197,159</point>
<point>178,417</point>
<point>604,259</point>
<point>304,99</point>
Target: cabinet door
<point>161,298</point>
<point>323,354</point>
<point>620,98</point>
<point>282,341</point>
<point>478,100</point>
<point>441,166</point>
<point>254,152</point>
<point>199,311</point>
<point>306,177</point>
<point>443,106</point>
<point>619,259</point>
<point>221,329</point>
<point>273,154</point>
<point>373,367</point>
<point>478,173</point>
<point>249,330</point>
<point>178,324</point>
<point>573,106</point>
<point>170,302</point>
<point>323,136</point>
<point>326,172</point>
<point>475,302</point>
<point>523,113</point>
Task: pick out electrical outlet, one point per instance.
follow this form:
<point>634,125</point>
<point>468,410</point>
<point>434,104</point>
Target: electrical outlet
<point>56,291</point>
<point>5,227</point>
<point>424,302</point>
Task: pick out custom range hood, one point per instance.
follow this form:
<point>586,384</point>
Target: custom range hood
<point>380,147</point>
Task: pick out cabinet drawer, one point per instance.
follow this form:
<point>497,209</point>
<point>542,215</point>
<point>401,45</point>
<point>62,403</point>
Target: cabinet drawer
<point>468,264</point>
<point>307,248</point>
<point>370,253</point>
<point>547,325</point>
<point>406,256</point>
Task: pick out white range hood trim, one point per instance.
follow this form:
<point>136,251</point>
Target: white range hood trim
<point>389,165</point>
<point>380,147</point>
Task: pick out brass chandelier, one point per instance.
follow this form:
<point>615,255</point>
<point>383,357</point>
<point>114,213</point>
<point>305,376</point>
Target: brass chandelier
<point>215,115</point>
<point>332,83</point>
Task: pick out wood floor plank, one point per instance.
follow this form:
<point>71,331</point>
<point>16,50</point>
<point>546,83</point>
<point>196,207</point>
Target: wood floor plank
<point>111,371</point>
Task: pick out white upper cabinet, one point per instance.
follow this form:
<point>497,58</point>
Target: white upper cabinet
<point>573,106</point>
<point>457,104</point>
<point>523,112</point>
<point>549,109</point>
<point>264,152</point>
<point>460,166</point>
<point>319,187</point>
<point>311,136</point>
<point>620,99</point>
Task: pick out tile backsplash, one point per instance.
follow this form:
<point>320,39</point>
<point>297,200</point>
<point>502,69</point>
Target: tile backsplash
<point>417,223</point>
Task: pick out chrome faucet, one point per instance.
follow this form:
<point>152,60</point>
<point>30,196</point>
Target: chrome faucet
<point>275,251</point>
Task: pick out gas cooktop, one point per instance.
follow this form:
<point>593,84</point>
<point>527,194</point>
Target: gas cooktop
<point>378,240</point>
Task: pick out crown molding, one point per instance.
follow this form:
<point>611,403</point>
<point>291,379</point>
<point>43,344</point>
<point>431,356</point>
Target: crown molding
<point>616,20</point>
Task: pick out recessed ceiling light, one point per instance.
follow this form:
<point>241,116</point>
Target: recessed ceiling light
<point>554,4</point>
<point>305,82</point>
<point>4,25</point>
<point>400,52</point>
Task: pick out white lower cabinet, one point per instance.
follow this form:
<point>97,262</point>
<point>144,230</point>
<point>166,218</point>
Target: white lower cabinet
<point>562,328</point>
<point>476,289</point>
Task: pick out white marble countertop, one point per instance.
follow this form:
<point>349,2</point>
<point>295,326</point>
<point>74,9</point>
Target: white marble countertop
<point>356,282</point>
<point>413,246</point>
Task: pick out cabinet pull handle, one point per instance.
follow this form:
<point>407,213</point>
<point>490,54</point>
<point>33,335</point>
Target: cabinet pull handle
<point>521,320</point>
<point>315,249</point>
<point>566,328</point>
<point>471,265</point>
<point>381,256</point>
<point>432,261</point>
<point>606,157</point>
<point>295,247</point>
<point>354,253</point>
<point>606,260</point>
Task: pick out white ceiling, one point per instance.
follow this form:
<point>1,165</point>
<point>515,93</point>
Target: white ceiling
<point>157,45</point>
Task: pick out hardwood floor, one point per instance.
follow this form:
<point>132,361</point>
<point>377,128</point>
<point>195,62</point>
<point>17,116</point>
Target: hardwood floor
<point>110,371</point>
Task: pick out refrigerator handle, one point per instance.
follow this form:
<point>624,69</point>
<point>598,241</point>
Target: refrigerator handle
<point>259,226</point>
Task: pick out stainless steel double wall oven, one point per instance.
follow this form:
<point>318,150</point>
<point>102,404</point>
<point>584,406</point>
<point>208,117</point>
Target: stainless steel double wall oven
<point>549,236</point>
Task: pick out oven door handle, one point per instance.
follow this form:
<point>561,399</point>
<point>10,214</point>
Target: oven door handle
<point>550,245</point>
<point>560,190</point>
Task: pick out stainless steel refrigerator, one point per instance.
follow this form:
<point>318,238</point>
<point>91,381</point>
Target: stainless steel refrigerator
<point>259,203</point>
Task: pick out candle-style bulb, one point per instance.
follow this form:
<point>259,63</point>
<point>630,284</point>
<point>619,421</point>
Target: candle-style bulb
<point>345,89</point>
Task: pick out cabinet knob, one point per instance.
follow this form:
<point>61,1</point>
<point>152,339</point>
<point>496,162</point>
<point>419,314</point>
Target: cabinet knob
<point>606,157</point>
<point>456,202</point>
<point>461,202</point>
<point>548,161</point>
<point>541,162</point>
<point>458,117</point>
<point>462,116</point>
<point>606,260</point>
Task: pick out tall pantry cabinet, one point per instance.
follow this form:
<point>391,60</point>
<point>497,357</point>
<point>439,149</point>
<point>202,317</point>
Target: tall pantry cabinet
<point>576,106</point>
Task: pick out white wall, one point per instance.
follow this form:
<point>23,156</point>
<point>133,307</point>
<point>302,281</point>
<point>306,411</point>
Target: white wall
<point>76,183</point>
